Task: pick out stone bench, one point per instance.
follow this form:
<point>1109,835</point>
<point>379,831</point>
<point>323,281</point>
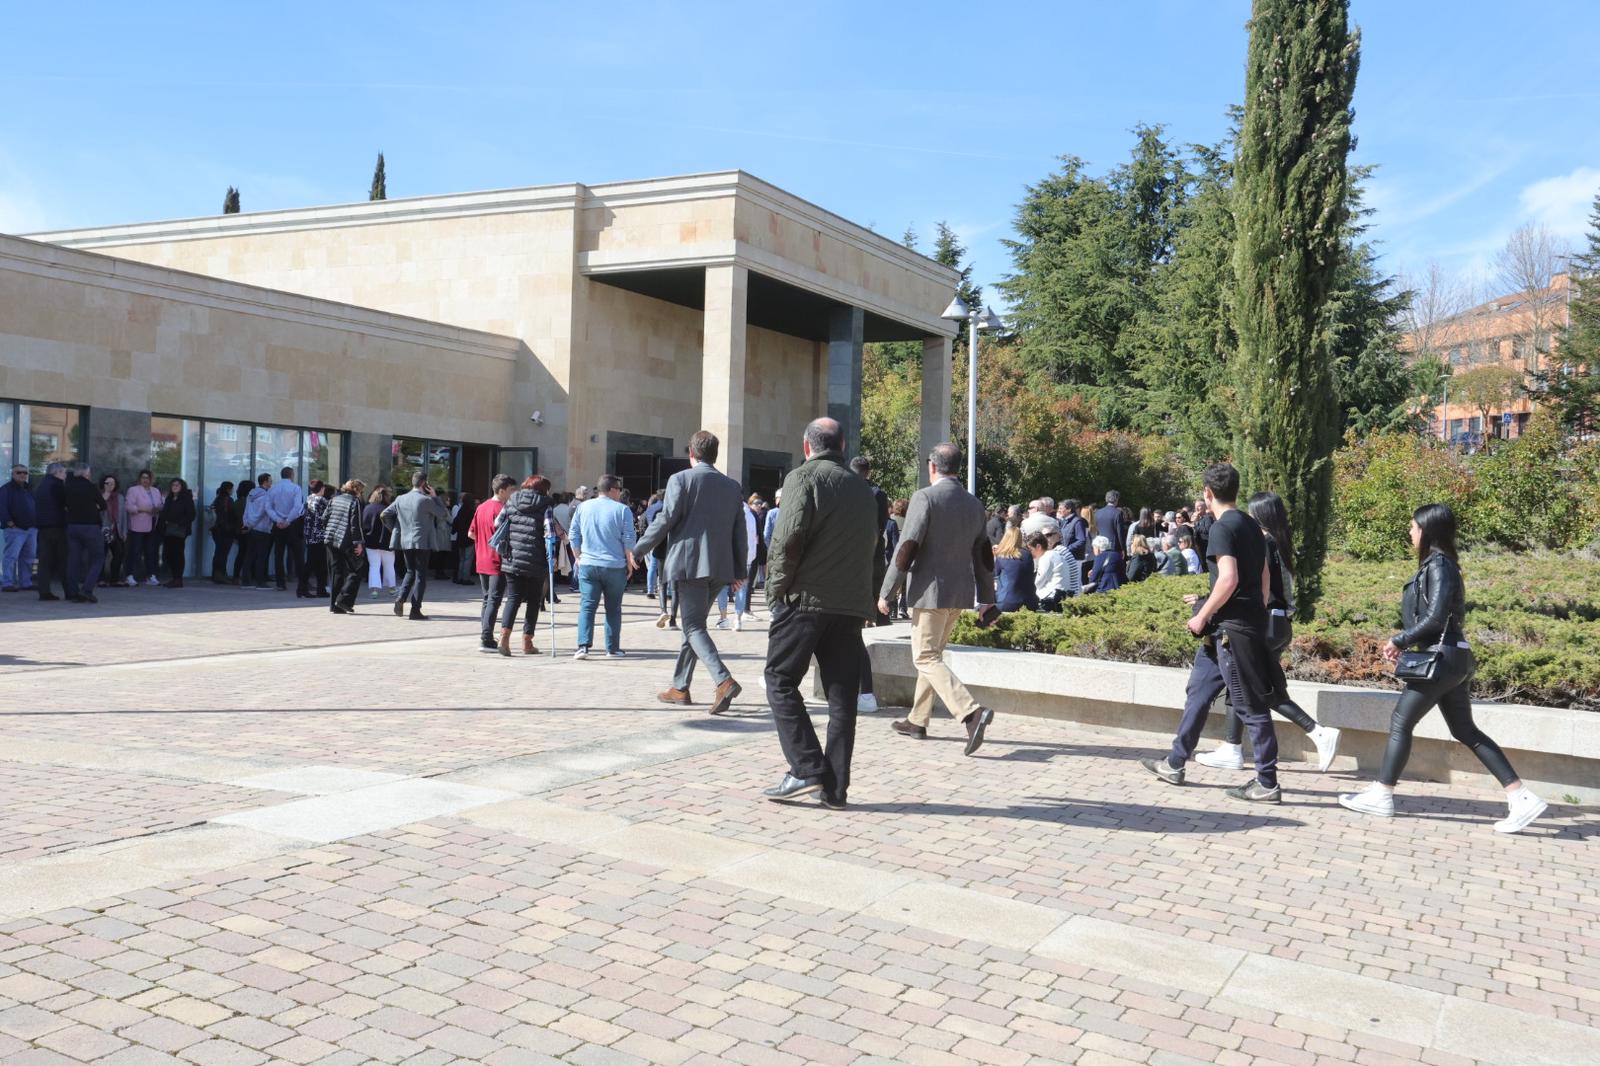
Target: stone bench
<point>1556,750</point>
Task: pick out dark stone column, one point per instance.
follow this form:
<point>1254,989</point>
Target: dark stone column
<point>846,329</point>
<point>118,443</point>
<point>371,456</point>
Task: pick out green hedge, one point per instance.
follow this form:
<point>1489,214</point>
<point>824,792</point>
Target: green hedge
<point>1533,620</point>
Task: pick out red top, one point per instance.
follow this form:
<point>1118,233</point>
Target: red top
<point>482,528</point>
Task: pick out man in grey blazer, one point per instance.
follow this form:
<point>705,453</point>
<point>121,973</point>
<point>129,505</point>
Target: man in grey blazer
<point>702,521</point>
<point>424,526</point>
<point>944,561</point>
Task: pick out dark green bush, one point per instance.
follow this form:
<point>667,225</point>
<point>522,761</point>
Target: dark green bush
<point>1533,620</point>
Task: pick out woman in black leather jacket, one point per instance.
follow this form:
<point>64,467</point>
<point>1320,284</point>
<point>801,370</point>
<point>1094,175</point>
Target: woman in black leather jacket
<point>1433,613</point>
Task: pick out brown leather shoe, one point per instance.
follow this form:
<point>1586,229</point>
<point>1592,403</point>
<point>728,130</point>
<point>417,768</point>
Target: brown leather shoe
<point>976,723</point>
<point>676,696</point>
<point>727,692</point>
<point>527,645</point>
<point>906,729</point>
<point>505,643</point>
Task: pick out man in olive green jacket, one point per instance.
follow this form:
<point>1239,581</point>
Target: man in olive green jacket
<point>819,582</point>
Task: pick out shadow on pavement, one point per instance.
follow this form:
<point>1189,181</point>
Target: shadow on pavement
<point>1134,817</point>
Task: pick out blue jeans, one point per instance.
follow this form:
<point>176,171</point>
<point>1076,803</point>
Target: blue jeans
<point>652,566</point>
<point>594,582</point>
<point>17,571</point>
<point>741,599</point>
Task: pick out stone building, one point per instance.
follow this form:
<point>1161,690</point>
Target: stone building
<point>569,329</point>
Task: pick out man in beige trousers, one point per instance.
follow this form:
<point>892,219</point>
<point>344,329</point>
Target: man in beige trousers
<point>944,560</point>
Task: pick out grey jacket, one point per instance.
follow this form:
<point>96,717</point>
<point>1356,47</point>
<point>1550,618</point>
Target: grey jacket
<point>944,558</point>
<point>702,521</point>
<point>423,522</point>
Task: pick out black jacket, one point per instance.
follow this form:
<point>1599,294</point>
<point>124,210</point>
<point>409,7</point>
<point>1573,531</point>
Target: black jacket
<point>177,511</point>
<point>375,536</point>
<point>526,554</point>
<point>82,501</point>
<point>50,504</point>
<point>1434,607</point>
<point>225,514</point>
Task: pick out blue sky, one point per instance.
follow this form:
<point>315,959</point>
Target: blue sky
<point>1480,115</point>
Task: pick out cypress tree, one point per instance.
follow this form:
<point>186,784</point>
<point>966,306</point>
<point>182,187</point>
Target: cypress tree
<point>1291,206</point>
<point>379,190</point>
<point>230,201</point>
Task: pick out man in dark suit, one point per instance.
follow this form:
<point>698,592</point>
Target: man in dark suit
<point>702,520</point>
<point>1110,523</point>
<point>944,561</point>
<point>424,527</point>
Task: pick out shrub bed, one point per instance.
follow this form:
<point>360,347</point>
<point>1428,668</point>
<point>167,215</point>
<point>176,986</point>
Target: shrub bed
<point>1533,621</point>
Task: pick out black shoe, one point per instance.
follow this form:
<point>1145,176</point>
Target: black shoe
<point>906,729</point>
<point>1163,769</point>
<point>399,608</point>
<point>1256,792</point>
<point>555,599</point>
<point>792,787</point>
<point>976,724</point>
<point>283,588</point>
<point>48,596</point>
<point>831,803</point>
<point>74,599</point>
<point>88,597</point>
<point>336,609</point>
<point>418,616</point>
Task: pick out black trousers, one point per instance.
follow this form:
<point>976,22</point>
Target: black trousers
<point>172,549</point>
<point>52,557</point>
<point>221,542</point>
<point>260,547</point>
<point>1279,700</point>
<point>314,576</point>
<point>347,568</point>
<point>524,591</point>
<point>494,590</point>
<point>1451,691</point>
<point>1236,662</point>
<point>415,583</point>
<point>835,640</point>
<point>289,552</point>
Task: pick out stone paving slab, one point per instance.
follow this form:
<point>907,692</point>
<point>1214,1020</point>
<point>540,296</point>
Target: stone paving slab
<point>552,867</point>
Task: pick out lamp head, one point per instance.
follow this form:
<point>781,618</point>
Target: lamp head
<point>957,311</point>
<point>989,320</point>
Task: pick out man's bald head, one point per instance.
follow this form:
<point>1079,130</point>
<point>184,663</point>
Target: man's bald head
<point>824,435</point>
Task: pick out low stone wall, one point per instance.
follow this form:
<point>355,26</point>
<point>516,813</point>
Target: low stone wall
<point>1556,751</point>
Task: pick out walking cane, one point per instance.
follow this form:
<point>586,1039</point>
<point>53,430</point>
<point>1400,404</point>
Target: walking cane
<point>552,604</point>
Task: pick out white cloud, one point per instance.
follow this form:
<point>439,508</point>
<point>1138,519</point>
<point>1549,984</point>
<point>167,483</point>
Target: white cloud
<point>1563,203</point>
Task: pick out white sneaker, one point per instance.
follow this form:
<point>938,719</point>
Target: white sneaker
<point>581,653</point>
<point>661,622</point>
<point>738,623</point>
<point>376,593</point>
<point>1374,799</point>
<point>1525,807</point>
<point>618,654</point>
<point>866,703</point>
<point>1326,738</point>
<point>131,582</point>
<point>1225,757</point>
<point>154,582</point>
<point>722,623</point>
<point>748,616</point>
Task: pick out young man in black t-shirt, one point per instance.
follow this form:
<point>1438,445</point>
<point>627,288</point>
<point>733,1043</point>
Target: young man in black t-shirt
<point>1234,655</point>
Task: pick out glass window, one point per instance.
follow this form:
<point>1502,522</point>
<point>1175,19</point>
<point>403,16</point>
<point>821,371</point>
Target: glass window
<point>276,449</point>
<point>405,459</point>
<point>227,458</point>
<point>49,435</point>
<point>443,465</point>
<point>322,452</point>
<point>175,453</point>
<point>519,463</point>
<point>8,435</point>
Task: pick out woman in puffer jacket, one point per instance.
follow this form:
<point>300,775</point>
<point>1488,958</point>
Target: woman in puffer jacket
<point>525,562</point>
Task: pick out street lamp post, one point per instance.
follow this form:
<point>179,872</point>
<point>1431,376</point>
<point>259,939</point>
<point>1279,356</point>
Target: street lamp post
<point>976,319</point>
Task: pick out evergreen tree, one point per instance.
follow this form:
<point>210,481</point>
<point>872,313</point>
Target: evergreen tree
<point>949,251</point>
<point>1569,380</point>
<point>379,190</point>
<point>1291,203</point>
<point>230,201</point>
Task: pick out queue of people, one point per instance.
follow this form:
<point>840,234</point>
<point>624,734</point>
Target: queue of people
<point>835,555</point>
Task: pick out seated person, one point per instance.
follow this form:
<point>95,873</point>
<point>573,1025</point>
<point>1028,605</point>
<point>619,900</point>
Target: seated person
<point>1141,563</point>
<point>1107,572</point>
<point>1191,558</point>
<point>1047,576</point>
<point>1171,564</point>
<point>1013,570</point>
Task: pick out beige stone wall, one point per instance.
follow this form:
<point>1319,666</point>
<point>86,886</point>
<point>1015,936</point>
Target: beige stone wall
<point>509,273</point>
<point>784,390</point>
<point>687,227</point>
<point>83,329</point>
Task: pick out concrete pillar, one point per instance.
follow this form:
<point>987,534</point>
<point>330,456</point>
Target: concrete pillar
<point>722,373</point>
<point>936,356</point>
<point>371,458</point>
<point>846,327</point>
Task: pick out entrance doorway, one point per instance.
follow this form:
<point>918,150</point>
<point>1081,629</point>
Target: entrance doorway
<point>766,480</point>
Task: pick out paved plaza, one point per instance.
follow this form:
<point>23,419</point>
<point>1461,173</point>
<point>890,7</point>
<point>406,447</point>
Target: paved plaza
<point>241,830</point>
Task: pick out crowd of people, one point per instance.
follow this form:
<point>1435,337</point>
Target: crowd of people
<point>834,554</point>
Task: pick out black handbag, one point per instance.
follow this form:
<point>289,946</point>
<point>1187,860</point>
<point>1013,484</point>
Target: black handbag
<point>1417,665</point>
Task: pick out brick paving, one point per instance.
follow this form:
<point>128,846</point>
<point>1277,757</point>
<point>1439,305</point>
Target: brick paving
<point>451,940</point>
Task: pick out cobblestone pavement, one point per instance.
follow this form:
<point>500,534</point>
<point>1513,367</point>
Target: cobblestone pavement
<point>242,830</point>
